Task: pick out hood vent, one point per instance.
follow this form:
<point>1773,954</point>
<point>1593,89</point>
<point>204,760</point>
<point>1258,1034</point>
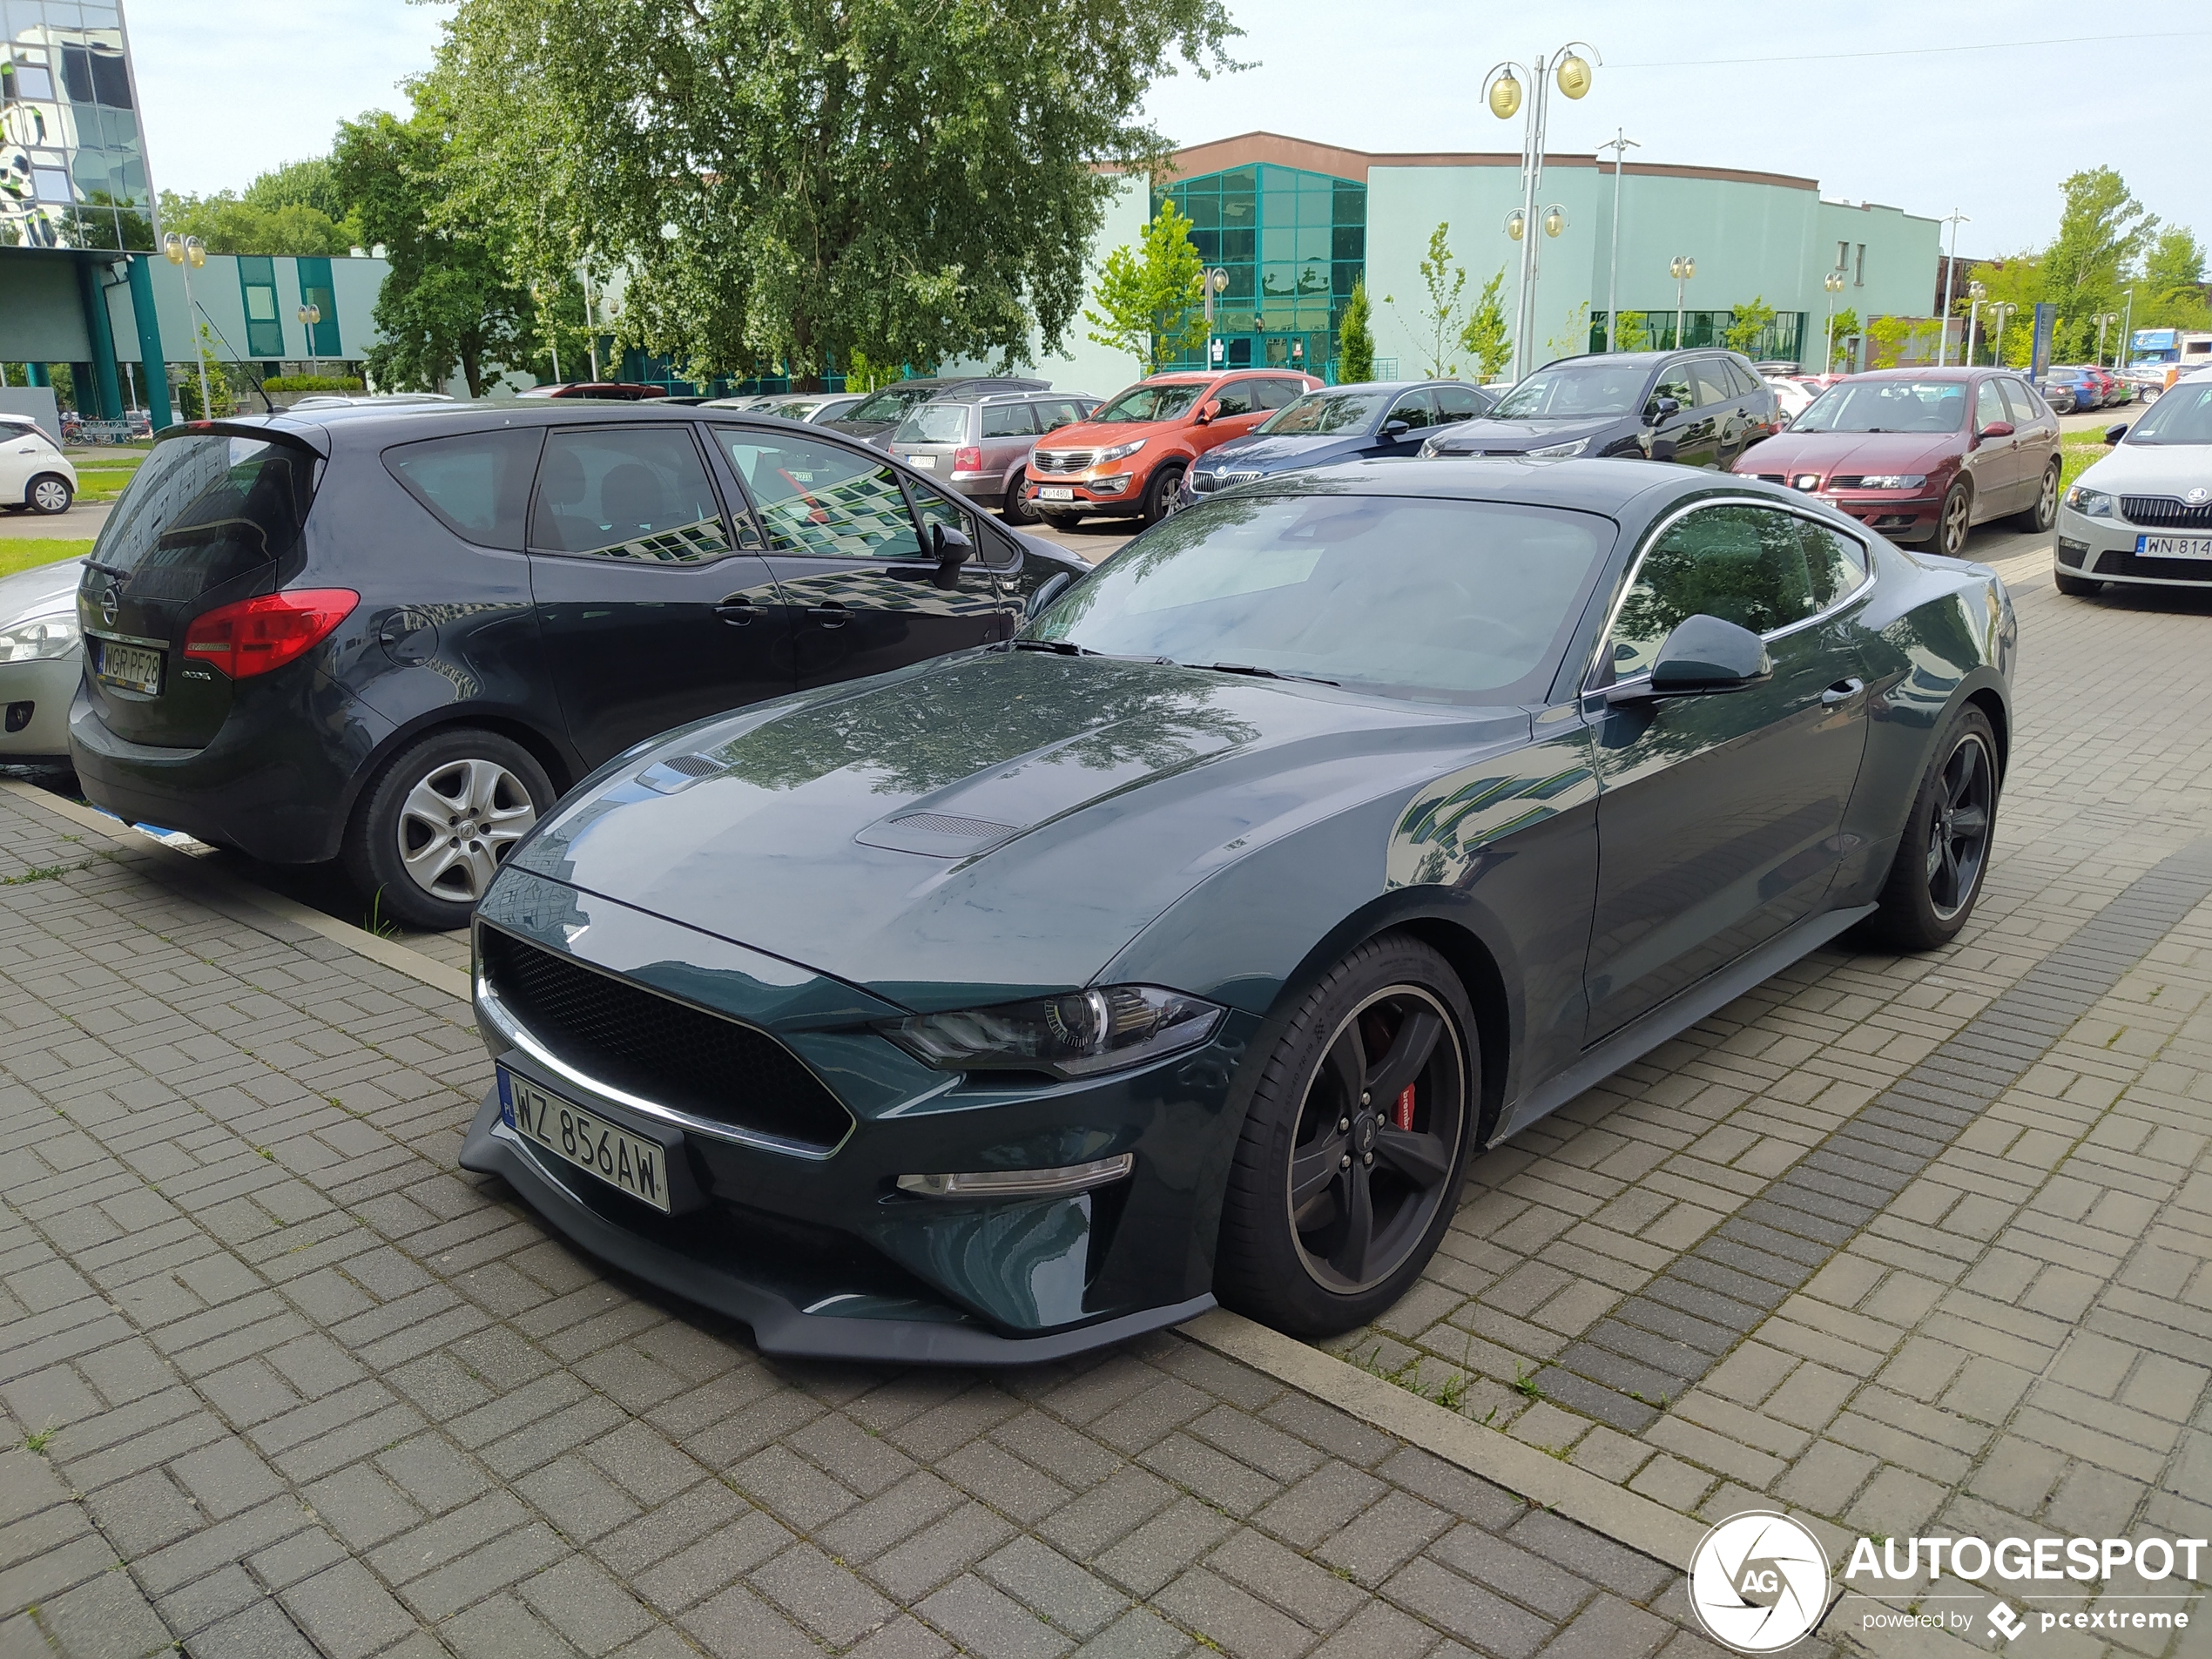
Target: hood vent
<point>679,772</point>
<point>942,834</point>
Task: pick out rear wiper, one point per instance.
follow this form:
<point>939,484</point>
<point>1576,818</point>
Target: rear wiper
<point>1257,673</point>
<point>1064,647</point>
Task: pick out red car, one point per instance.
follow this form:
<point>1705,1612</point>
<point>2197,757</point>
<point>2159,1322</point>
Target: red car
<point>1923,453</point>
<point>1128,460</point>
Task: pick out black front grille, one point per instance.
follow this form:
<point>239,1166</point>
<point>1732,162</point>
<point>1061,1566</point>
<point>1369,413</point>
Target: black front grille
<point>651,1045</point>
<point>2164,509</point>
<point>2125,563</point>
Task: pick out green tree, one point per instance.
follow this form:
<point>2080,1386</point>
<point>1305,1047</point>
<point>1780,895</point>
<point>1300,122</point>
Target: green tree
<point>1444,279</point>
<point>789,181</point>
<point>1150,297</point>
<point>229,224</point>
<point>1838,334</point>
<point>1356,338</point>
<point>453,300</point>
<point>312,182</point>
<point>1888,335</point>
<point>1575,338</point>
<point>1486,338</point>
<point>2172,294</point>
<point>1747,325</point>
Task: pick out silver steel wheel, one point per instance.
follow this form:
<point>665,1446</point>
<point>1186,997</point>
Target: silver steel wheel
<point>48,495</point>
<point>2046,500</point>
<point>457,823</point>
<point>1957,518</point>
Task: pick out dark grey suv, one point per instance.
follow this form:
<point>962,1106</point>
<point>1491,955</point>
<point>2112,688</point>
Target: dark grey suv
<point>1698,408</point>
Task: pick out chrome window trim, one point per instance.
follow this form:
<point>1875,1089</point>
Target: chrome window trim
<point>1598,657</point>
<point>511,1031</point>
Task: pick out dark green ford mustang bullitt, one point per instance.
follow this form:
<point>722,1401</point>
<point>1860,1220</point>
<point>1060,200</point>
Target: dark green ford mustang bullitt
<point>1191,944</point>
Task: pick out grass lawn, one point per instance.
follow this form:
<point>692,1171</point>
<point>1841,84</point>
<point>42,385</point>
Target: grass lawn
<point>103,479</point>
<point>21,552</point>
<point>2077,454</point>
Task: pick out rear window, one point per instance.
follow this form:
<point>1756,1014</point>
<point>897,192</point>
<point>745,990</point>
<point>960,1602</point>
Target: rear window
<point>934,423</point>
<point>478,484</point>
<point>204,511</point>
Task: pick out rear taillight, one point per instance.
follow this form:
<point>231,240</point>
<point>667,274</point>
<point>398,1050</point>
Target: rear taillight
<point>255,636</point>
<point>969,459</point>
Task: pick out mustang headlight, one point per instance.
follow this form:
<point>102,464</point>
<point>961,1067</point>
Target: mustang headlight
<point>2090,503</point>
<point>1119,450</point>
<point>1559,451</point>
<point>1072,1036</point>
<point>1892,480</point>
<point>52,634</point>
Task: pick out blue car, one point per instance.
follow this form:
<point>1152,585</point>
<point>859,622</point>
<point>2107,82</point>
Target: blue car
<point>1338,424</point>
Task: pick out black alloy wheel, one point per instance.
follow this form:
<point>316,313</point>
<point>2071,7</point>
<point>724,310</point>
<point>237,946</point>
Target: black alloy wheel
<point>2040,518</point>
<point>1348,1170</point>
<point>1944,853</point>
<point>1954,521</point>
<point>1164,495</point>
<point>1017,508</point>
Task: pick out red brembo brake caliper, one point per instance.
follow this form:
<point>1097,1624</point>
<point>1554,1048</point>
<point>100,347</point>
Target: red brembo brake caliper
<point>1402,1114</point>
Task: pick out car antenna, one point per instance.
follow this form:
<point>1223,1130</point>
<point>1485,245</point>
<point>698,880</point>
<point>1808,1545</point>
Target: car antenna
<point>235,358</point>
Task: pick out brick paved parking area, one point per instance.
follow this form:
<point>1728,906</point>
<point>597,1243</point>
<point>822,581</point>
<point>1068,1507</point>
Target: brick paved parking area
<point>1901,1247</point>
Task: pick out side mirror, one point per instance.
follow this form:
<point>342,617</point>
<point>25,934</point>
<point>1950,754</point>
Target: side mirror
<point>1704,656</point>
<point>1393,430</point>
<point>1208,411</point>
<point>1997,429</point>
<point>949,546</point>
<point>1049,589</point>
<point>1665,408</point>
<point>2114,433</point>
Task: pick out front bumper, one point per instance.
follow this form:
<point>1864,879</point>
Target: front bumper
<point>814,1245</point>
<point>2103,550</point>
<point>34,708</point>
<point>1900,516</point>
<point>1110,494</point>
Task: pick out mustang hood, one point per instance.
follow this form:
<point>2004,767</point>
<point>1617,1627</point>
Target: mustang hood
<point>1828,453</point>
<point>991,825</point>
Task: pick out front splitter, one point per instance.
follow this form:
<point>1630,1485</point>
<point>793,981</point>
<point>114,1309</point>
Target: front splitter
<point>779,1327</point>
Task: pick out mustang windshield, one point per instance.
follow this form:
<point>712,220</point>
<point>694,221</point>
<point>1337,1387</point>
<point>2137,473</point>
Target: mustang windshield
<point>1167,402</point>
<point>1573,393</point>
<point>1322,412</point>
<point>2183,416</point>
<point>1887,405</point>
<point>1443,601</point>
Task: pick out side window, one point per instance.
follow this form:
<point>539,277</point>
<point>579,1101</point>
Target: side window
<point>1236,399</point>
<point>820,498</point>
<point>1746,383</point>
<point>1279,394</point>
<point>1988,406</point>
<point>1009,420</point>
<point>1457,403</point>
<point>636,493</point>
<point>1834,561</point>
<point>478,484</point>
<point>2021,402</point>
<point>1414,409</point>
<point>1674,383</point>
<point>1744,564</point>
<point>1713,383</point>
<point>1065,414</point>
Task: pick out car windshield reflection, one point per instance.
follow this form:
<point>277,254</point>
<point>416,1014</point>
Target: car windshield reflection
<point>1322,412</point>
<point>1572,391</point>
<point>1887,405</point>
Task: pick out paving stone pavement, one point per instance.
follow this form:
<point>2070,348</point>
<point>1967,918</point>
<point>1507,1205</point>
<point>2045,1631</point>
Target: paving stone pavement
<point>279,1380</point>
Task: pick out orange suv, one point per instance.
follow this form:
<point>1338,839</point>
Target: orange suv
<point>1128,460</point>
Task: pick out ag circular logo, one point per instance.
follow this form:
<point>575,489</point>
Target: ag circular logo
<point>1758,1581</point>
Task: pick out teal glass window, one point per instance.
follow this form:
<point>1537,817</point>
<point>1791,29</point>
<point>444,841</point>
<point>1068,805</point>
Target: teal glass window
<point>258,295</point>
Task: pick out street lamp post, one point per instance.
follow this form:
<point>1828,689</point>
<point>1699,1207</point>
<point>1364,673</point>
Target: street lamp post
<point>184,253</point>
<point>1977,293</point>
<point>1213,280</point>
<point>2127,332</point>
<point>1954,219</point>
<point>1834,283</point>
<point>1683,269</point>
<point>2105,319</point>
<point>1501,90</point>
<point>310,314</point>
<point>2001,313</point>
<point>1620,144</point>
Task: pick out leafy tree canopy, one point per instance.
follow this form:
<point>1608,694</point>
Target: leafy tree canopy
<point>1150,298</point>
<point>1444,279</point>
<point>230,224</point>
<point>1487,338</point>
<point>1746,324</point>
<point>790,182</point>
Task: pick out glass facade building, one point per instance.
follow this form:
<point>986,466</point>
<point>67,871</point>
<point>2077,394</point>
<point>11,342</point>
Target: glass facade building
<point>1292,243</point>
<point>72,155</point>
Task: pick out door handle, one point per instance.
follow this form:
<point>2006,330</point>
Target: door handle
<point>1842,691</point>
<point>737,612</point>
<point>831,615</point>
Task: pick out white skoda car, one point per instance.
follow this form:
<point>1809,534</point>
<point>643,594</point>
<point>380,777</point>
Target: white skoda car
<point>2143,513</point>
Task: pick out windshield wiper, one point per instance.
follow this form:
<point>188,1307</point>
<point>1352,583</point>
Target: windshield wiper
<point>1257,673</point>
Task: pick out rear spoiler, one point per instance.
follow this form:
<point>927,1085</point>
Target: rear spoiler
<point>302,435</point>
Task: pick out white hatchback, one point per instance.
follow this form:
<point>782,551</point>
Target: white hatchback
<point>33,472</point>
<point>2142,514</point>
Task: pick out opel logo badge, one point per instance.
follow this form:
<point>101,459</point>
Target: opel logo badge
<point>2198,496</point>
<point>108,607</point>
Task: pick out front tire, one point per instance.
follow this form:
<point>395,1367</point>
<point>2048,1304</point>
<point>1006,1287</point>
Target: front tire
<point>49,493</point>
<point>1944,853</point>
<point>2080,587</point>
<point>1953,523</point>
<point>2040,518</point>
<point>432,829</point>
<point>1360,1124</point>
<point>1163,494</point>
<point>1017,508</point>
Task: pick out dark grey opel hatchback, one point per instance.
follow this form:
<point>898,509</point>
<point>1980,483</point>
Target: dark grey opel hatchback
<point>395,637</point>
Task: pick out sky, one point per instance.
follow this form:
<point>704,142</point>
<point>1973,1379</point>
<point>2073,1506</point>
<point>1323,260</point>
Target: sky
<point>1915,105</point>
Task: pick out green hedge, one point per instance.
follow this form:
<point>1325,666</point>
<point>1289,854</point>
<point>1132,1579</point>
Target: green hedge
<point>312,383</point>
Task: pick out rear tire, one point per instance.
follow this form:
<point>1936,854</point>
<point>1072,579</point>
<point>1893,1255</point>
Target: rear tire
<point>2040,518</point>
<point>1017,508</point>
<point>476,792</point>
<point>2080,587</point>
<point>1331,1209</point>
<point>49,493</point>
<point>1944,853</point>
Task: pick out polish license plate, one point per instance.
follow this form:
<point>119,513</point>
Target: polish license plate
<point>2174,547</point>
<point>593,1145</point>
<point>130,667</point>
<point>927,463</point>
<point>1054,492</point>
